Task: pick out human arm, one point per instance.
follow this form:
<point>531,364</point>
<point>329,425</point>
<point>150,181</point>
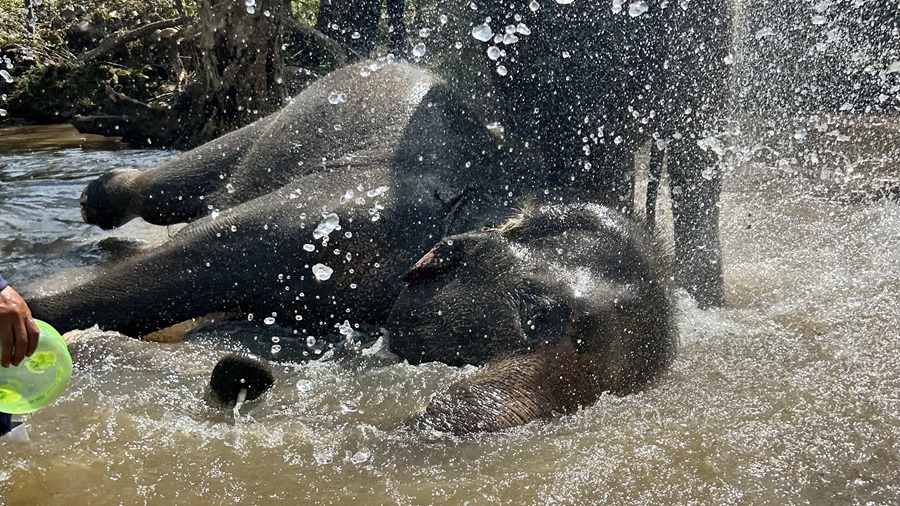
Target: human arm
<point>18,331</point>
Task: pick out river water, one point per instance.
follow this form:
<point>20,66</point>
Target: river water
<point>789,395</point>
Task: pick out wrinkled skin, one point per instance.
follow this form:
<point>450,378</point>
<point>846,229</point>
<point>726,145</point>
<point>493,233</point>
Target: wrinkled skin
<point>420,167</point>
<point>560,304</point>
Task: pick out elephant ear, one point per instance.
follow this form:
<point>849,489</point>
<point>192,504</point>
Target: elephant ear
<point>443,257</point>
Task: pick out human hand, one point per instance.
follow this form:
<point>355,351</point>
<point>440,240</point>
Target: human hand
<point>18,332</point>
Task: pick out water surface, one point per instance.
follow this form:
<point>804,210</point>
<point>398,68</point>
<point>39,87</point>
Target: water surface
<point>790,395</point>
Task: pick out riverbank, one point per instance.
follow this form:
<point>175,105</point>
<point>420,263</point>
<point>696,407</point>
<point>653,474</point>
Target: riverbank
<point>31,138</point>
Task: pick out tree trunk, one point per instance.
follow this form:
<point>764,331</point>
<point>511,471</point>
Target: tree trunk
<point>241,64</point>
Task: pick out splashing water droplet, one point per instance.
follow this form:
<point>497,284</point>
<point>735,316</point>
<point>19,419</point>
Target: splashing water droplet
<point>305,386</point>
<point>327,226</point>
<point>635,9</point>
<point>322,272</point>
<point>336,98</point>
<point>359,457</point>
<point>482,32</point>
<point>323,458</point>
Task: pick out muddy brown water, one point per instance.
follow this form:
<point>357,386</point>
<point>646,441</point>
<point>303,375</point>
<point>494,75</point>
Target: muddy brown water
<point>789,395</point>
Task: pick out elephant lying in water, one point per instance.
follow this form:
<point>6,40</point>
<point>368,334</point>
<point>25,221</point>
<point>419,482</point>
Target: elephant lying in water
<point>316,214</point>
<point>312,215</point>
<point>561,303</point>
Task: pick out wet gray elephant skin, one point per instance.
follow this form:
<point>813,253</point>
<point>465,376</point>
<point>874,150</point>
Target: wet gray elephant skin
<point>560,304</point>
<point>356,177</point>
<point>563,302</point>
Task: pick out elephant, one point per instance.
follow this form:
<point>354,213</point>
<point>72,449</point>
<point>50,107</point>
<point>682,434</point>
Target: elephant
<point>566,300</point>
<point>311,215</point>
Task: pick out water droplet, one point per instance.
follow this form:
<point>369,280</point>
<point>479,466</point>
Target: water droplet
<point>322,272</point>
<point>327,226</point>
<point>534,6</point>
<point>336,98</point>
<point>374,192</point>
<point>359,457</point>
<point>275,349</point>
<point>309,247</point>
<point>305,386</point>
<point>310,341</point>
<point>493,52</point>
<point>349,407</point>
<point>419,50</point>
<point>501,69</point>
<point>480,32</point>
<point>269,320</point>
<point>323,458</point>
<point>424,32</point>
<point>818,20</point>
<point>635,9</point>
<point>6,76</point>
<point>523,29</point>
<point>564,2</point>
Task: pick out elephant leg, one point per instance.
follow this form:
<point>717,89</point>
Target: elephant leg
<point>695,181</point>
<point>513,391</point>
<point>179,190</point>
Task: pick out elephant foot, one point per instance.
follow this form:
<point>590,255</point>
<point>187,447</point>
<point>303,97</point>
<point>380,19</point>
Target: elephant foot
<point>240,372</point>
<point>513,391</point>
<point>108,201</point>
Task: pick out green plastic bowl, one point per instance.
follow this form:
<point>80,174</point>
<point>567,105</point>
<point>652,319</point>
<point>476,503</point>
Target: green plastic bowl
<point>40,378</point>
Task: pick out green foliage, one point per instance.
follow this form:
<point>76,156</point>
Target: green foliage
<point>306,11</point>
